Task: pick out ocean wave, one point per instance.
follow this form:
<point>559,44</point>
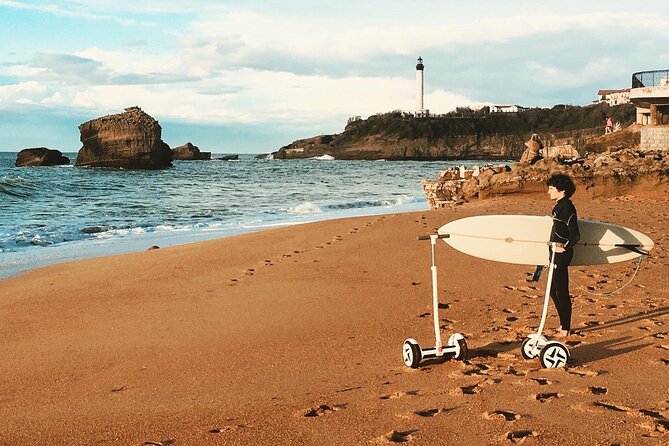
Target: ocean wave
<point>15,186</point>
<point>305,208</point>
<point>323,158</point>
<point>119,232</point>
<point>391,202</point>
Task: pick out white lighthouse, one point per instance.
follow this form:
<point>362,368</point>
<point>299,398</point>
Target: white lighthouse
<point>420,110</point>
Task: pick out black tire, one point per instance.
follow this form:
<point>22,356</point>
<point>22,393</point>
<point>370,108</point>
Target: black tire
<point>525,349</point>
<point>464,352</point>
<point>536,351</point>
<point>411,354</point>
<point>554,355</point>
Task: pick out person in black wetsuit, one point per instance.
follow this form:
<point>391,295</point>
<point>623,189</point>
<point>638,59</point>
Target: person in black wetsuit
<point>565,234</point>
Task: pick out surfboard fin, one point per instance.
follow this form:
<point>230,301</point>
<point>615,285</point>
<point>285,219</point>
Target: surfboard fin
<point>633,248</point>
<point>537,273</point>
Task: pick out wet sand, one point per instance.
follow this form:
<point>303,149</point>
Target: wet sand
<point>294,336</point>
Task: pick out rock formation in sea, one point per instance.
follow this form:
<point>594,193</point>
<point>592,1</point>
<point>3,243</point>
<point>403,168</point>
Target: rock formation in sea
<point>596,175</point>
<point>129,140</point>
<point>189,152</point>
<point>229,158</point>
<point>40,156</point>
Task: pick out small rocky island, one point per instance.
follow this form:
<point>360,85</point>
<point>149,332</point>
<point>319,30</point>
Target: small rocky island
<point>129,140</point>
<point>189,152</point>
<point>40,156</point>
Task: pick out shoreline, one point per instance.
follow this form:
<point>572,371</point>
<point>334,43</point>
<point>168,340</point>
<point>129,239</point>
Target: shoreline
<point>14,263</point>
<point>294,336</point>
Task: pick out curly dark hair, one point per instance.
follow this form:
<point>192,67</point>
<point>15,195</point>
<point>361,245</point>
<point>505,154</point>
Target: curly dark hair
<point>562,182</point>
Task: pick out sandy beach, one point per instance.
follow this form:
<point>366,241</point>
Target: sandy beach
<point>294,336</point>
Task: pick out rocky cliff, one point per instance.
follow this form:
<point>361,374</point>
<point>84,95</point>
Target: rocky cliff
<point>597,175</point>
<point>40,156</point>
<point>129,140</point>
<point>499,136</point>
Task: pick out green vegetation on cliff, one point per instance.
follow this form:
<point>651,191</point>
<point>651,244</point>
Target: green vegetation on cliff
<point>465,121</point>
<point>462,134</point>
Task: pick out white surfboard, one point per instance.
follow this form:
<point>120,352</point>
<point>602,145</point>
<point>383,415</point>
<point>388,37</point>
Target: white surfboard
<point>523,239</point>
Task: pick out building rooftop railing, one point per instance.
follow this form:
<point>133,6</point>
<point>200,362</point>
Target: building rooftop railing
<point>656,78</point>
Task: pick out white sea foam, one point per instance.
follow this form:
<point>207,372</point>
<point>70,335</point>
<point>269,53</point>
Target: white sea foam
<point>323,158</point>
<point>119,233</point>
<point>405,199</point>
<point>174,228</point>
<point>304,208</point>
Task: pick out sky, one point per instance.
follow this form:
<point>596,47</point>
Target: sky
<point>252,76</point>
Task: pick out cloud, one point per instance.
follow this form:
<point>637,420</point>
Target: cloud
<point>263,63</point>
<point>64,10</point>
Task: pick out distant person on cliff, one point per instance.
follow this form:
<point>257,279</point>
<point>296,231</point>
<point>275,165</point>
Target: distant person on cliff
<point>533,149</point>
<point>608,128</point>
<point>565,235</point>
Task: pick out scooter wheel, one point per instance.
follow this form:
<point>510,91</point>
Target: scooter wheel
<point>461,352</point>
<point>531,347</point>
<point>411,353</point>
<point>554,355</point>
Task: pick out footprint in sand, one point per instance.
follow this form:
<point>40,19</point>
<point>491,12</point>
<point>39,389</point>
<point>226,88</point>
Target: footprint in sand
<point>427,413</point>
<point>584,373</point>
<point>478,370</point>
<point>595,390</point>
<point>547,396</point>
<point>612,407</point>
<point>398,436</point>
<point>506,414</point>
<point>394,395</point>
<point>518,436</point>
<point>660,418</point>
<point>470,390</point>
<point>323,409</point>
<point>228,428</point>
<point>542,381</point>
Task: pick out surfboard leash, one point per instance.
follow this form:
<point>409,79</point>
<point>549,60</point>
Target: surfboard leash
<point>611,293</point>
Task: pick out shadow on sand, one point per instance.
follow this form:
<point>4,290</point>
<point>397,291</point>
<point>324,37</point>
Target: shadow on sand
<point>625,320</point>
<point>607,348</point>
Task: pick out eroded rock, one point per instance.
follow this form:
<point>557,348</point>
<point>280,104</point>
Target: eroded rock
<point>189,152</point>
<point>40,156</point>
<point>597,175</point>
<point>129,140</point>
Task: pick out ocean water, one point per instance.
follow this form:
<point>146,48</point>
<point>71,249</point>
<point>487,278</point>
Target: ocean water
<point>62,213</point>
